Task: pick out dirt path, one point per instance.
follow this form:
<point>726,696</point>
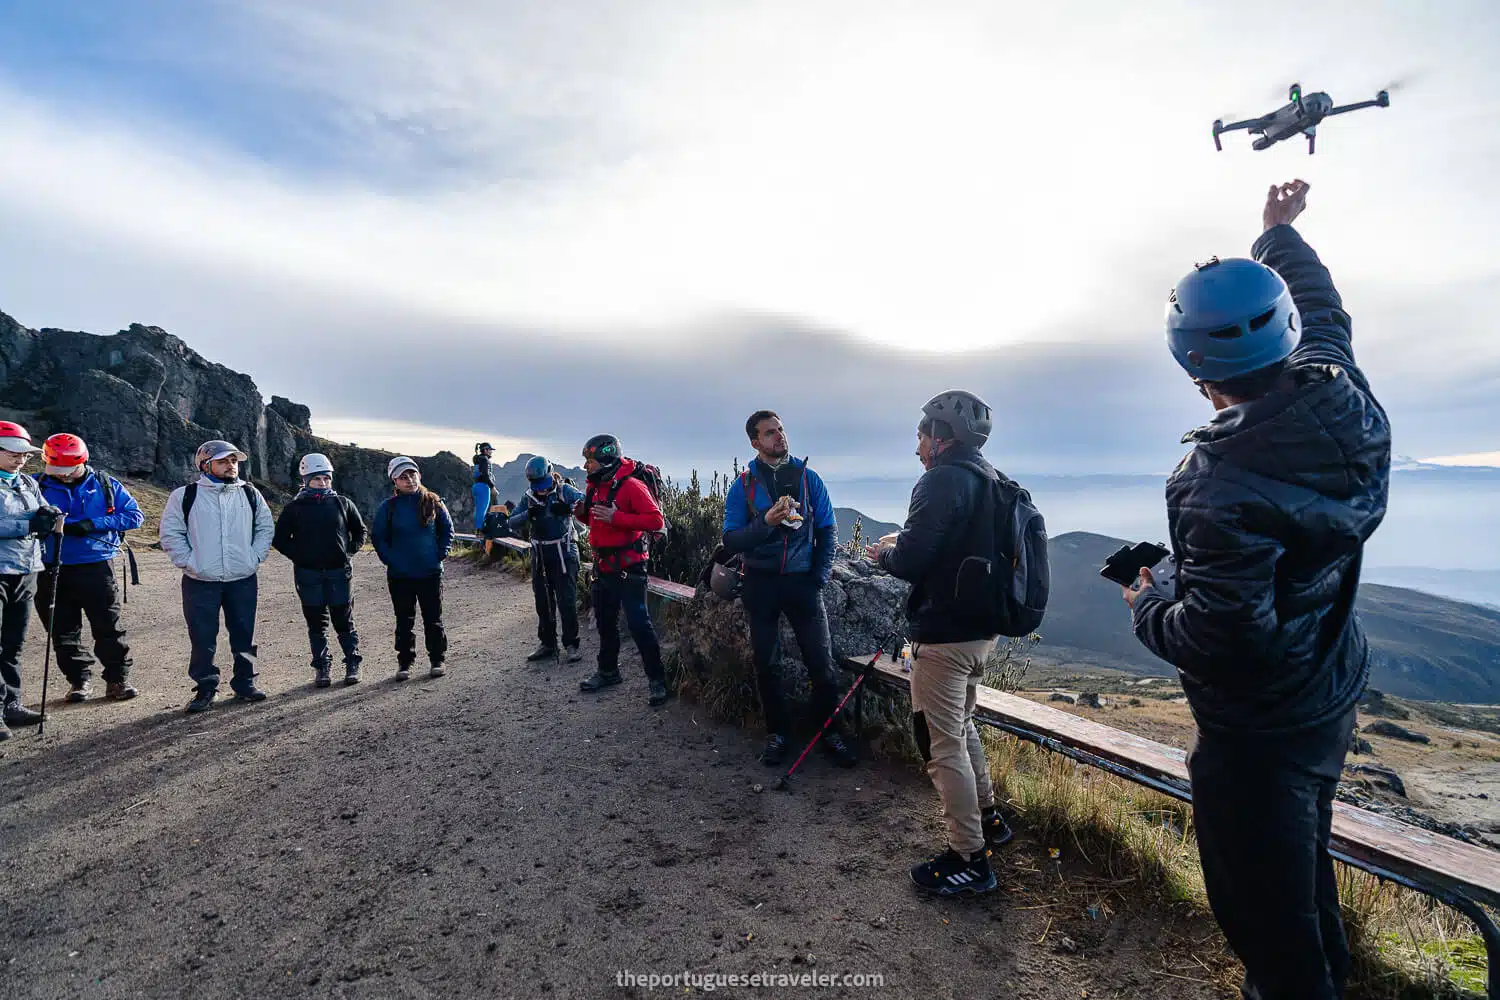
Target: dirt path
<point>490,834</point>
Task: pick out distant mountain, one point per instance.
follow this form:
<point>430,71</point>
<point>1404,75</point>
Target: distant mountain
<point>1422,646</point>
<point>510,478</point>
<point>1474,586</point>
<point>869,528</point>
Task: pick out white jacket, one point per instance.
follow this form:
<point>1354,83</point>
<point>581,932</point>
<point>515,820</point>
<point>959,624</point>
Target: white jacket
<point>222,542</point>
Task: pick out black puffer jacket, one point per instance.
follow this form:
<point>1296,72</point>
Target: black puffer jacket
<point>1269,514</point>
<point>935,540</point>
<point>319,530</point>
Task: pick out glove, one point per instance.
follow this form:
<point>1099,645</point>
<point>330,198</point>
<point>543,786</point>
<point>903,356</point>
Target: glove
<point>560,508</point>
<point>44,520</point>
<point>76,528</point>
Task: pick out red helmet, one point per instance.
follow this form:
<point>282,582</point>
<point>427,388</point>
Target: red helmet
<point>13,437</point>
<point>64,451</point>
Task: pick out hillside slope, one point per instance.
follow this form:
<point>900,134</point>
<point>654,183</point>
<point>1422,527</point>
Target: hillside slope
<point>1422,646</point>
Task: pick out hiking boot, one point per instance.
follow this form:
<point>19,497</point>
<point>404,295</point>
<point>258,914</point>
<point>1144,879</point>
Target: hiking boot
<point>656,693</point>
<point>79,692</point>
<point>202,701</point>
<point>251,693</point>
<point>599,680</point>
<point>321,678</point>
<point>402,673</point>
<point>575,655</point>
<point>996,830</point>
<point>4,732</point>
<point>436,671</point>
<point>775,751</point>
<point>951,874</point>
<point>351,675</point>
<point>119,691</point>
<point>17,714</point>
<point>543,652</point>
<point>835,746</point>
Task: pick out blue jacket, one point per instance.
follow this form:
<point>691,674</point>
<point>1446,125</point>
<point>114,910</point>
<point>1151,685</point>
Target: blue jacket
<point>20,551</point>
<point>548,524</point>
<point>781,550</point>
<point>410,549</point>
<point>84,501</point>
<point>1269,515</point>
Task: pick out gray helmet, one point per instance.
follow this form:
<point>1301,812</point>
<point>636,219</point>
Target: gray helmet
<point>212,451</point>
<point>966,413</point>
<point>724,579</point>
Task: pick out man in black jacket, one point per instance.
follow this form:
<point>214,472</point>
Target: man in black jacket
<point>318,531</point>
<point>1269,514</point>
<point>948,653</point>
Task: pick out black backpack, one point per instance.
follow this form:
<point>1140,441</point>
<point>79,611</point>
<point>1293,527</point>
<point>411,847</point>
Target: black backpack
<point>1004,586</point>
<point>651,476</point>
<point>190,497</point>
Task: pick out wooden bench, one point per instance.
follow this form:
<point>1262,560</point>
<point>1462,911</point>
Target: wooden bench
<point>1464,876</point>
<point>654,585</point>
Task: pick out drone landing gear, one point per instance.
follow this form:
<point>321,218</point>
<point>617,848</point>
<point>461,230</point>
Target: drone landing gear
<point>1312,139</point>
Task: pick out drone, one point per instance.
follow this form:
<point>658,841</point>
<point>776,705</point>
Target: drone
<point>1301,114</point>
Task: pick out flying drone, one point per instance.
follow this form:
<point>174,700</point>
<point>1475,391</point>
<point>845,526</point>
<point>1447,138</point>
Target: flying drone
<point>1301,114</point>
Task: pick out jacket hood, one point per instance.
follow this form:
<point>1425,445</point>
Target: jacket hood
<point>963,454</point>
<point>1320,433</point>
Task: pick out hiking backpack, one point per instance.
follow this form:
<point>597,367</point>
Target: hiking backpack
<point>1004,587</point>
<point>652,477</point>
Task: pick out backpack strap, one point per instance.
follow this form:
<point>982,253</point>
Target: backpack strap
<point>189,497</point>
<point>747,487</point>
<point>108,487</point>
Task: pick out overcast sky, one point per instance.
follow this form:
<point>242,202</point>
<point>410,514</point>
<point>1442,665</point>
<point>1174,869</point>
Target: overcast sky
<point>434,222</point>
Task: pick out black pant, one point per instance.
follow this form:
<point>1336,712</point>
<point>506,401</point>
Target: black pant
<point>406,595</point>
<point>554,584</point>
<point>767,597</point>
<point>88,589</point>
<point>325,594</point>
<point>1263,806</point>
<point>202,600</point>
<point>16,592</point>
<point>616,592</point>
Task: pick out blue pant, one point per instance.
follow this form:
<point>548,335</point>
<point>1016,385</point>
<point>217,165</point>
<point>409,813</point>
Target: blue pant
<point>326,594</point>
<point>616,592</point>
<point>202,601</point>
<point>483,500</point>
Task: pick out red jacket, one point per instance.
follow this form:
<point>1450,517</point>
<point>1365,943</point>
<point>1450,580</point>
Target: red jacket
<point>621,543</point>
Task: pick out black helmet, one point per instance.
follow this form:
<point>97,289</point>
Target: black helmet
<point>967,414</point>
<point>603,448</point>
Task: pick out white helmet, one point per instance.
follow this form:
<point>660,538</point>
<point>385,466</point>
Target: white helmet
<point>314,465</point>
<point>398,465</point>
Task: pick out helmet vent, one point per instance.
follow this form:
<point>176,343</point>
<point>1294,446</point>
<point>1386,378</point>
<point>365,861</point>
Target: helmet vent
<point>1225,333</point>
<point>1262,319</point>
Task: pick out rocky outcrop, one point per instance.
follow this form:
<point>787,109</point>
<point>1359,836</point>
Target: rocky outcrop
<point>1394,732</point>
<point>144,401</point>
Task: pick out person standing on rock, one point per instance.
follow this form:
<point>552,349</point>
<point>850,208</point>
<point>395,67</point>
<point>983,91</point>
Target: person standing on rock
<point>778,515</point>
<point>948,651</point>
<point>547,508</point>
<point>98,510</point>
<point>484,483</point>
<point>319,531</point>
<point>25,519</point>
<point>413,533</point>
<point>620,512</point>
<point>218,531</point>
<point>1269,515</point>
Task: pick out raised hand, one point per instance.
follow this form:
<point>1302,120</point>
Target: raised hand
<point>1284,202</point>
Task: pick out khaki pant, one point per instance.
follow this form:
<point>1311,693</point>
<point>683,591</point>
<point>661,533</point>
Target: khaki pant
<point>943,681</point>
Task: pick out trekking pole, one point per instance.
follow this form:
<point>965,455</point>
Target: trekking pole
<point>889,641</point>
<point>51,618</point>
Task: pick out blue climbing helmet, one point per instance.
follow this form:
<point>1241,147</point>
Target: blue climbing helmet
<point>538,468</point>
<point>1229,318</point>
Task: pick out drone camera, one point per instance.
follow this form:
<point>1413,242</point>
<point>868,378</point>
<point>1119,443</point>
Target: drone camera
<point>1383,99</point>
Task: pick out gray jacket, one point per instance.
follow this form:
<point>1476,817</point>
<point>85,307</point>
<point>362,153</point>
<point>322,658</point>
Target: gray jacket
<point>20,550</point>
<point>221,540</point>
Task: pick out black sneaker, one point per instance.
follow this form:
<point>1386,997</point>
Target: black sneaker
<point>599,679</point>
<point>543,652</point>
<point>575,655</point>
<point>656,693</point>
<point>79,692</point>
<point>950,874</point>
<point>251,693</point>
<point>17,714</point>
<point>996,830</point>
<point>351,674</point>
<point>321,678</point>
<point>835,746</point>
<point>202,701</point>
<point>775,751</point>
